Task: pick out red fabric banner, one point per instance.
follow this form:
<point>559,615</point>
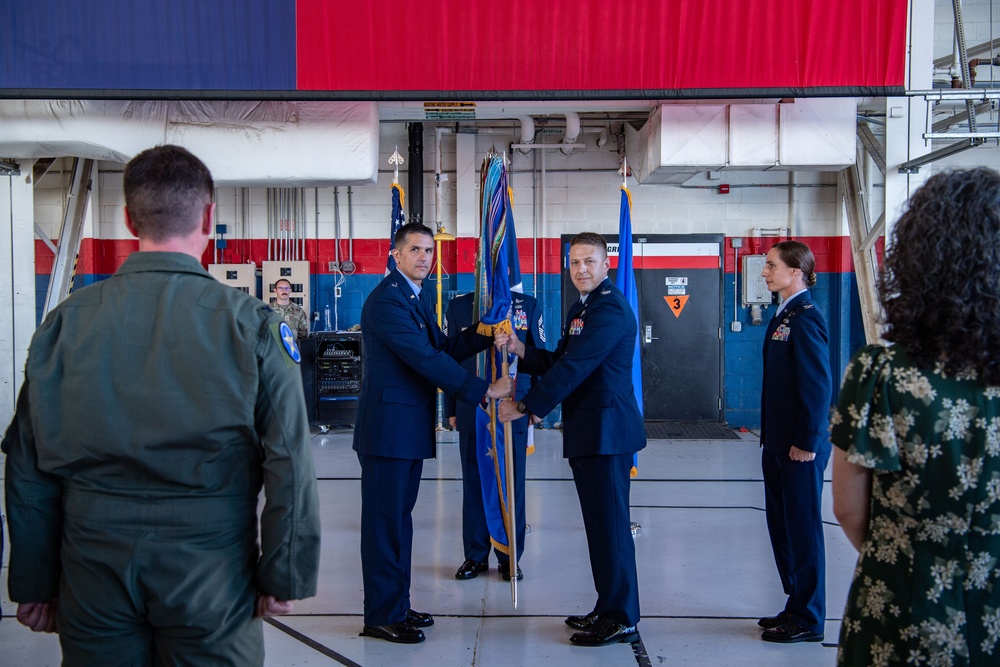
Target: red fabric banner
<point>640,48</point>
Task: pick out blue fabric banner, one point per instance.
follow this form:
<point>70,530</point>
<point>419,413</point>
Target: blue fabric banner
<point>493,303</point>
<point>625,281</point>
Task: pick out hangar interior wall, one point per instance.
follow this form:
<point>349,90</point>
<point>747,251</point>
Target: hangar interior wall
<point>575,192</point>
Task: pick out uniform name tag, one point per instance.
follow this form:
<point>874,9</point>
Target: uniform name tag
<point>576,327</point>
<point>781,333</point>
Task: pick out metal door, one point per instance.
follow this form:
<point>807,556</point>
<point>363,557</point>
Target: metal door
<point>679,281</point>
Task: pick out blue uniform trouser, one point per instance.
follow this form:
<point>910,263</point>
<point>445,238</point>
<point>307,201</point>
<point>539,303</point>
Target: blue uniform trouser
<point>793,492</point>
<point>388,493</point>
<point>602,483</point>
<point>143,586</point>
<point>475,532</point>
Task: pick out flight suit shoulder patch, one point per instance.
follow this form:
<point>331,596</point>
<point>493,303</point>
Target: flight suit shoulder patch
<point>285,337</point>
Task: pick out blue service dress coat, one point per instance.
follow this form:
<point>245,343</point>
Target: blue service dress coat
<point>526,317</point>
<point>795,402</point>
<point>407,359</point>
<point>590,373</point>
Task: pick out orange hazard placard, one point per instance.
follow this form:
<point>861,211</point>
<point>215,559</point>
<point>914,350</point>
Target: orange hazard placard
<point>676,303</point>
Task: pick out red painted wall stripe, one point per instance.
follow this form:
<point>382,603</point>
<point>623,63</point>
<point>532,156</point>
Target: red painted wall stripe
<point>595,45</point>
<point>104,256</point>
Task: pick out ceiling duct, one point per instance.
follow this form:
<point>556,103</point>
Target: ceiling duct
<point>244,143</point>
<point>572,131</point>
<point>680,140</point>
<point>527,132</point>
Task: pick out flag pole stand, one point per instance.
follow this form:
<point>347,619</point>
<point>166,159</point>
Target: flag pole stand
<point>441,235</point>
<point>508,454</point>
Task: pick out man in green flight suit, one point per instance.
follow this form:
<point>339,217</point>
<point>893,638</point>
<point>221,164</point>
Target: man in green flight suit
<point>144,432</point>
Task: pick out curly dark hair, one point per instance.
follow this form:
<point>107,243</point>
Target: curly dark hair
<point>940,286</point>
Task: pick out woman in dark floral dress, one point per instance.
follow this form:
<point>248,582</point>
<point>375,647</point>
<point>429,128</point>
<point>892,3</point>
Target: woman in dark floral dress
<point>916,476</point>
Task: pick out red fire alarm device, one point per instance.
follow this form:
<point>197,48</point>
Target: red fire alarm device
<point>724,188</point>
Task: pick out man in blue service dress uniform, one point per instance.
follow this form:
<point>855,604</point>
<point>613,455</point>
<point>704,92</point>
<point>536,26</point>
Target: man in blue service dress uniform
<point>527,320</point>
<point>795,401</point>
<point>407,359</point>
<point>590,373</point>
<point>155,406</point>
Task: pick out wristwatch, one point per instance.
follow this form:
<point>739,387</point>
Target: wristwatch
<point>521,408</point>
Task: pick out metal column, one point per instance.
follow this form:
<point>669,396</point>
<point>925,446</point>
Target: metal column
<point>70,235</point>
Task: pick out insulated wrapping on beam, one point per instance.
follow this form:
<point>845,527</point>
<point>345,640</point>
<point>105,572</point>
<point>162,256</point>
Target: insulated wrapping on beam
<point>248,143</point>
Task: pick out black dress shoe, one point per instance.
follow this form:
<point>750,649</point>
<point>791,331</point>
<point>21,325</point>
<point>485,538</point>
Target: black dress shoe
<point>470,569</point>
<point>790,632</point>
<point>504,570</point>
<point>582,622</point>
<point>769,622</point>
<point>418,620</point>
<point>604,632</point>
<point>400,633</point>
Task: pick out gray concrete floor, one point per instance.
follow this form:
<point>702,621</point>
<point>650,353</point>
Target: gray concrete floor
<point>705,570</point>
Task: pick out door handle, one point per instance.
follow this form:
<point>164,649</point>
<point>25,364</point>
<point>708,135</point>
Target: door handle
<point>648,337</point>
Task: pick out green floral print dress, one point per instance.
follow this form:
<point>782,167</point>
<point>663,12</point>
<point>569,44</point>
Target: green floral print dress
<point>925,591</point>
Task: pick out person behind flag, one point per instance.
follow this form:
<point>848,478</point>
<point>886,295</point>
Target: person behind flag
<point>407,359</point>
<point>527,321</point>
<point>590,373</point>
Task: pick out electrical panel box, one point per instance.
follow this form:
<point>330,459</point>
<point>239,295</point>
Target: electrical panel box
<point>338,375</point>
<point>297,273</point>
<point>754,287</point>
<point>240,276</point>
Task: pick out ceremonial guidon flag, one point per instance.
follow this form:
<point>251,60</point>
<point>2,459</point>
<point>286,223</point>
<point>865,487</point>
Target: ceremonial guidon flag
<point>625,281</point>
<point>493,307</point>
<point>398,220</point>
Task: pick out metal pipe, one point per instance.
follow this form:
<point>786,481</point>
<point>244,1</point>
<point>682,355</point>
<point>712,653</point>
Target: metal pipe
<point>572,131</point>
<point>271,241</point>
<point>350,226</point>
<point>336,225</point>
<point>415,194</point>
<point>534,223</point>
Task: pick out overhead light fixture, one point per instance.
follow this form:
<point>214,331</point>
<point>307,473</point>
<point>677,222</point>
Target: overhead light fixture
<point>9,168</point>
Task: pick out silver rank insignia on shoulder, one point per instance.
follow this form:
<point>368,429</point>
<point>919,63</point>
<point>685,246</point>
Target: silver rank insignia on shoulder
<point>807,306</point>
<point>606,291</point>
<point>288,340</point>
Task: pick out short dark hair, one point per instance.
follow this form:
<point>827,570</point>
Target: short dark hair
<point>411,228</point>
<point>166,192</point>
<point>940,286</point>
<point>797,255</point>
<point>590,238</point>
<point>282,280</point>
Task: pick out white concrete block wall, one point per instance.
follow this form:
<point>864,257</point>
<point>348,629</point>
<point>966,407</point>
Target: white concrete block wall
<point>581,193</point>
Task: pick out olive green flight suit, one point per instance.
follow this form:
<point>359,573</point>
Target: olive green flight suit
<point>156,405</point>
